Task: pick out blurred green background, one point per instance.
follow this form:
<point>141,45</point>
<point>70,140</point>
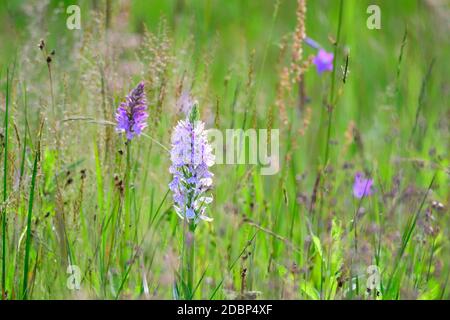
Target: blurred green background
<point>232,29</point>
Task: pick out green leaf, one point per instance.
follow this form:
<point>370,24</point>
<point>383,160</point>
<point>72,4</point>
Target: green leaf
<point>317,245</point>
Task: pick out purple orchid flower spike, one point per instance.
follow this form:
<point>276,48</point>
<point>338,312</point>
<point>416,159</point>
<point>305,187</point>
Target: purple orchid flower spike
<point>362,187</point>
<point>191,157</point>
<point>131,115</point>
<point>323,61</point>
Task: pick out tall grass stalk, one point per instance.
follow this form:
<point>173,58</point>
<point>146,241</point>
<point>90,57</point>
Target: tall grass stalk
<point>421,99</point>
<point>22,161</point>
<point>333,80</point>
<point>48,59</point>
<point>407,234</point>
<point>248,244</point>
<point>5,194</point>
<point>399,63</point>
<point>28,239</point>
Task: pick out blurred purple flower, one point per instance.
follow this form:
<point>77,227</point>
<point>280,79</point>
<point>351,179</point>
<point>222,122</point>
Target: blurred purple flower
<point>191,157</point>
<point>185,102</point>
<point>362,187</point>
<point>323,61</point>
<point>132,114</point>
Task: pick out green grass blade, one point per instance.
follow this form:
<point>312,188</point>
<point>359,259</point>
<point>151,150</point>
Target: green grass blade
<point>28,240</point>
<point>407,235</point>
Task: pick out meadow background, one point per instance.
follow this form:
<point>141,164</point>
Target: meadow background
<point>299,234</point>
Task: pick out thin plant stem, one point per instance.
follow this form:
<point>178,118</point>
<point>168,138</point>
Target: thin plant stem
<point>127,186</point>
<point>5,194</point>
<point>333,77</point>
<point>191,263</point>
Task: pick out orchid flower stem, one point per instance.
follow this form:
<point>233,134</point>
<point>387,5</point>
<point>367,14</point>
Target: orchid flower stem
<point>191,259</point>
<point>127,200</point>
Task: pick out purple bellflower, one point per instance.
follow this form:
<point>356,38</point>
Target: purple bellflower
<point>362,187</point>
<point>191,157</point>
<point>131,115</point>
<point>323,61</point>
